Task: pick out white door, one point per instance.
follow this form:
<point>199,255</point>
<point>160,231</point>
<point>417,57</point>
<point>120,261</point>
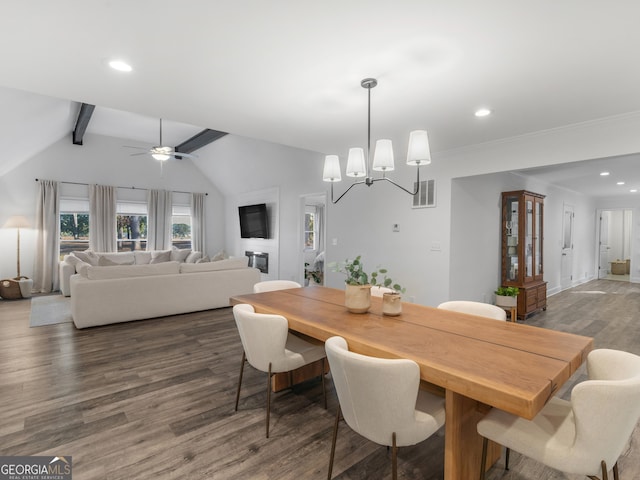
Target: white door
<point>603,262</point>
<point>566,262</point>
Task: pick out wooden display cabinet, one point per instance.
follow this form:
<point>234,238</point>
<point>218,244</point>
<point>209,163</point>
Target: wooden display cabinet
<point>522,253</point>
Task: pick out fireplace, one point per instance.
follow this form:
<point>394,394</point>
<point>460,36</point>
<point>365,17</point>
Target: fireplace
<point>259,260</point>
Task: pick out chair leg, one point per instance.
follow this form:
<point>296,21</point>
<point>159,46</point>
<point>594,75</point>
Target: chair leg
<point>333,442</point>
<point>324,388</point>
<point>506,460</point>
<point>483,458</point>
<point>615,472</point>
<point>244,357</point>
<point>394,458</point>
<point>605,475</point>
<point>268,398</point>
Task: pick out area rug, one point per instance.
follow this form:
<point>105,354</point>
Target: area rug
<point>50,310</point>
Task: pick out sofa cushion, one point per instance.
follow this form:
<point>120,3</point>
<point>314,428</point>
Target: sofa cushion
<point>179,255</point>
<point>160,256</point>
<point>126,271</point>
<point>87,256</point>
<point>142,257</point>
<point>115,259</point>
<point>228,264</point>
<point>193,257</point>
<point>82,268</point>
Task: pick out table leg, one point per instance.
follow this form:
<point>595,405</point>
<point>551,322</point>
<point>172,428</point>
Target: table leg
<point>463,445</point>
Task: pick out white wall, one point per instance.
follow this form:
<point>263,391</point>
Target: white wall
<point>251,171</point>
<point>100,160</point>
<point>476,234</point>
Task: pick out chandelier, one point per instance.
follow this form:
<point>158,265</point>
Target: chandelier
<point>418,154</point>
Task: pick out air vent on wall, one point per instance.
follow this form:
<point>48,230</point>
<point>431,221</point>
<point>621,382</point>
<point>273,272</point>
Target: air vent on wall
<point>426,196</point>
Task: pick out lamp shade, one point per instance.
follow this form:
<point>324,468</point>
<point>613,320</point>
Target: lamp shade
<point>355,163</point>
<point>331,172</point>
<point>17,221</point>
<point>418,152</point>
<point>383,156</point>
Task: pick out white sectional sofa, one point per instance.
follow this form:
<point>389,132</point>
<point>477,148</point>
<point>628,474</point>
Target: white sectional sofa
<point>102,295</point>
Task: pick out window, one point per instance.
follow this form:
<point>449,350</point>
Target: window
<point>131,224</point>
<point>181,226</point>
<point>310,229</point>
<point>74,225</point>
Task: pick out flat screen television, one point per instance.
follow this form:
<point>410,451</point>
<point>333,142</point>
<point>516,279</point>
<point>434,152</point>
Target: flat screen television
<point>254,222</point>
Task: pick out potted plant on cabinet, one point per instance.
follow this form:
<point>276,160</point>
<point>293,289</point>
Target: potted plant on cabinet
<point>358,290</point>
<point>391,301</point>
<point>507,296</point>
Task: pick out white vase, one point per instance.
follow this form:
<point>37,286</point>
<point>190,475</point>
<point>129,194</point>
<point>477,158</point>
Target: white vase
<point>391,304</point>
<point>357,298</point>
<point>506,301</point>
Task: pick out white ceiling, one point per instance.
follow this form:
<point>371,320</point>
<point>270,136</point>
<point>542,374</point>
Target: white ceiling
<point>289,71</point>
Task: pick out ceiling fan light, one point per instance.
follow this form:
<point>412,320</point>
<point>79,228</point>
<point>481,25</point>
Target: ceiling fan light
<point>355,163</point>
<point>331,172</point>
<point>383,156</point>
<point>418,152</point>
<point>161,157</point>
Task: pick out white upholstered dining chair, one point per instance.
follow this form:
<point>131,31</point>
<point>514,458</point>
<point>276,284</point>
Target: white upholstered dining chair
<point>380,399</point>
<point>475,308</point>
<point>272,285</point>
<point>584,436</point>
<point>269,347</point>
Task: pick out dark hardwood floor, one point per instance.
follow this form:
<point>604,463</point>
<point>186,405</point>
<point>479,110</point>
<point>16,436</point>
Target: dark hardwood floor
<point>154,399</point>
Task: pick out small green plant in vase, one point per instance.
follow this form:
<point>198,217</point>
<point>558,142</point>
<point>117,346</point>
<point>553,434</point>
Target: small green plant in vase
<point>358,289</point>
<point>507,296</point>
<point>391,301</point>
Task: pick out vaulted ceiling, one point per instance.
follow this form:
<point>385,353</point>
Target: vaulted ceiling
<point>289,71</point>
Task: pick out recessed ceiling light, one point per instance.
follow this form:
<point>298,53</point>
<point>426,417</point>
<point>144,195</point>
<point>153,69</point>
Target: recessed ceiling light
<point>633,190</point>
<point>604,174</point>
<point>120,65</point>
<point>620,183</point>
<point>482,112</point>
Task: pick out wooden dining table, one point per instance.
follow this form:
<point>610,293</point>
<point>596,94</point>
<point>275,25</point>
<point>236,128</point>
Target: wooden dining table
<point>476,362</point>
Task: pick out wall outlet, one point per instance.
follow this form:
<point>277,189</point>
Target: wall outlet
<point>396,227</point>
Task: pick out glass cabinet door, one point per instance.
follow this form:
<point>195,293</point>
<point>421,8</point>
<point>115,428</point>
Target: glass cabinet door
<point>511,231</point>
<point>528,238</point>
<point>538,239</point>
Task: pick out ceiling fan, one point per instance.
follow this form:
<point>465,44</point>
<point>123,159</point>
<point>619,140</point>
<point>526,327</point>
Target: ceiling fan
<point>162,152</point>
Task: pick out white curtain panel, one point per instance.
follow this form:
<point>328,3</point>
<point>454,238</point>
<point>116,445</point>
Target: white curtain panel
<point>159,206</point>
<point>102,218</point>
<point>45,276</point>
<point>198,235</point>
<point>320,227</point>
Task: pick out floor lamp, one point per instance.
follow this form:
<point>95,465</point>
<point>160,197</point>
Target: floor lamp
<point>18,222</point>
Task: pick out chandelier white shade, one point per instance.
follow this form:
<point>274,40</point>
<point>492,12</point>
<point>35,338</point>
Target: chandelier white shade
<point>356,166</point>
<point>331,171</point>
<point>383,156</point>
<point>359,166</point>
<point>418,152</point>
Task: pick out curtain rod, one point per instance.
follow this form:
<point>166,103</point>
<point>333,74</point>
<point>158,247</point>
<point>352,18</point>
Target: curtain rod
<point>129,188</point>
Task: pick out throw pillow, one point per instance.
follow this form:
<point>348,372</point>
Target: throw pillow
<point>226,264</point>
<point>193,257</point>
<point>109,262</point>
<point>160,256</point>
<point>221,255</point>
<point>179,255</point>
<point>87,256</point>
<point>142,258</point>
<point>204,259</point>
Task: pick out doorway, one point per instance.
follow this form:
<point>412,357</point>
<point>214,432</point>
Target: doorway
<point>566,262</point>
<point>614,244</point>
<point>312,238</point>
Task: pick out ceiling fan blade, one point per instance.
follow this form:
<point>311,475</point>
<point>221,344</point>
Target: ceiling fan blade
<point>138,148</point>
<point>184,155</point>
<point>138,154</point>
